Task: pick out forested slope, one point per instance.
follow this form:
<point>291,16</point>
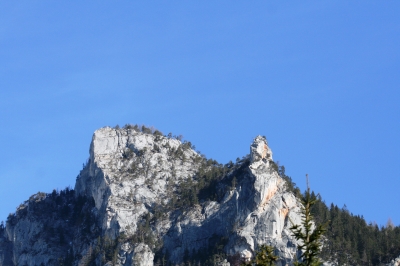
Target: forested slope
<point>349,239</point>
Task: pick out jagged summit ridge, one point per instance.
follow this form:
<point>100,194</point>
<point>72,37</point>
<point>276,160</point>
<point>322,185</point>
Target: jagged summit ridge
<point>158,199</point>
<point>259,150</point>
<point>109,146</point>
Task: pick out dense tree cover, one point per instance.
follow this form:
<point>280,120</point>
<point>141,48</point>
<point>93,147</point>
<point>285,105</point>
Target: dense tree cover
<point>308,233</point>
<point>264,257</point>
<point>349,239</point>
<point>105,248</point>
<point>211,255</point>
<point>62,218</point>
<point>290,185</point>
<point>211,182</point>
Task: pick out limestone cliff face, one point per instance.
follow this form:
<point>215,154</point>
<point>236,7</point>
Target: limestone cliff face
<point>137,185</point>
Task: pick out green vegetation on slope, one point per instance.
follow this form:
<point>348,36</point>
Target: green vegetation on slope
<point>349,239</point>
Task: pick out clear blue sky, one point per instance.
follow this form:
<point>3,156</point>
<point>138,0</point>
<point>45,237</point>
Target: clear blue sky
<point>320,79</point>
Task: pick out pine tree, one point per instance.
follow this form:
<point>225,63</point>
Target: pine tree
<point>264,257</point>
<point>310,240</point>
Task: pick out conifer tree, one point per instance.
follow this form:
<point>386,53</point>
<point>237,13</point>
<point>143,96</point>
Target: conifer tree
<point>310,244</point>
<point>264,257</point>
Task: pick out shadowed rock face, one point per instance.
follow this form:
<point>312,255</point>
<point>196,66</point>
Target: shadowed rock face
<point>133,178</point>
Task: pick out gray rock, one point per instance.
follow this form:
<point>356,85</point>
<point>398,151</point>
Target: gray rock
<point>130,173</point>
<point>142,255</point>
<point>395,262</point>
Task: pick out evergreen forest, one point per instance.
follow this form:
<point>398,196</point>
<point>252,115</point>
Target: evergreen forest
<point>349,239</point>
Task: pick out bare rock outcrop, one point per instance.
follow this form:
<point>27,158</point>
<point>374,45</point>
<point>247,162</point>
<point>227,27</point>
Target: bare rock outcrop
<point>139,184</point>
<point>395,262</point>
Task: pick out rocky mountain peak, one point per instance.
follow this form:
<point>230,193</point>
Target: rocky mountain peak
<point>259,151</point>
<point>155,198</point>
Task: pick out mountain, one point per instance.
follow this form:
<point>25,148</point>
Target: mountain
<point>148,199</point>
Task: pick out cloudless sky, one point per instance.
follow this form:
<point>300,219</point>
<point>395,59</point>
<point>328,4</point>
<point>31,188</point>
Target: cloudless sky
<point>320,79</point>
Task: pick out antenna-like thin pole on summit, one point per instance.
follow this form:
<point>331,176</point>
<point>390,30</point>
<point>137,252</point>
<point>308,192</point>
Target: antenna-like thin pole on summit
<point>308,185</point>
